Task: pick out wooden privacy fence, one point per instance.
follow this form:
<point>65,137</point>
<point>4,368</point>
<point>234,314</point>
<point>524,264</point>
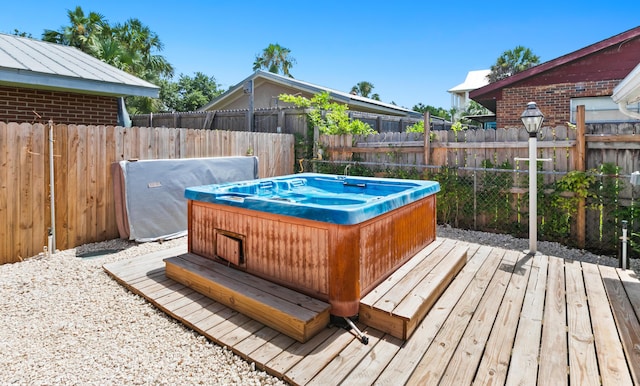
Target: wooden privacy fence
<point>289,121</point>
<point>563,149</point>
<point>84,198</point>
<point>566,148</point>
<point>276,120</point>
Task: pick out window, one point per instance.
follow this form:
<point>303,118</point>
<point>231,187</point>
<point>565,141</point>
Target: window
<point>601,109</point>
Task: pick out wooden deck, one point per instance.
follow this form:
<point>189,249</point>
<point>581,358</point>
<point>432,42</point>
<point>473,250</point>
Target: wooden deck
<point>507,318</point>
<point>280,308</point>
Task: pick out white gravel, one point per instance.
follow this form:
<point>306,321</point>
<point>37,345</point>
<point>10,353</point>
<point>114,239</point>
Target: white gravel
<point>63,321</point>
<point>546,247</point>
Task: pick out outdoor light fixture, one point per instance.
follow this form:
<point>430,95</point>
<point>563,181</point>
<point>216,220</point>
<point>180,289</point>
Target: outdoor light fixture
<point>532,118</point>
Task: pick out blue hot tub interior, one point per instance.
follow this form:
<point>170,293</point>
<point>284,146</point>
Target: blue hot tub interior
<point>322,197</point>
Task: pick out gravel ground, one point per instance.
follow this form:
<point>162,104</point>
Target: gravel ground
<point>65,321</point>
<point>548,248</point>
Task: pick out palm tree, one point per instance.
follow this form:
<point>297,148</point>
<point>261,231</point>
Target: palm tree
<point>512,62</point>
<point>363,88</point>
<point>81,32</point>
<point>276,59</point>
<point>139,43</point>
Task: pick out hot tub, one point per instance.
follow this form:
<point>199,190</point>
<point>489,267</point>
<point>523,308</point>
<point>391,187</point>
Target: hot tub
<point>328,236</point>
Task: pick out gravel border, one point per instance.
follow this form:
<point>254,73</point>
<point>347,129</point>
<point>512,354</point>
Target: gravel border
<point>546,247</point>
<point>65,321</point>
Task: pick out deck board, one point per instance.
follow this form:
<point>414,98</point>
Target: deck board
<point>554,327</point>
<point>611,359</point>
<point>495,359</point>
<point>626,319</point>
<point>475,340</point>
<point>341,365</point>
<point>403,364</point>
<point>278,307</point>
<point>492,325</point>
<point>583,364</point>
<point>523,367</point>
<point>400,307</point>
<point>433,364</point>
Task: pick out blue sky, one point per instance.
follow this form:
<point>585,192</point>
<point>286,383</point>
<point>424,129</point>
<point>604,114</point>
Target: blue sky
<point>412,51</point>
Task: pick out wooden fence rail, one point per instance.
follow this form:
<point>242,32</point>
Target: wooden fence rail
<point>275,120</point>
<point>84,198</point>
<point>564,148</point>
<point>473,148</point>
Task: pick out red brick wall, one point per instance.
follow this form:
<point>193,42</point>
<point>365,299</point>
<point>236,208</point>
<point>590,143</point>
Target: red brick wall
<point>18,104</point>
<point>553,100</point>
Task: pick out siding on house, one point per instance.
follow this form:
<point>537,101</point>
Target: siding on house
<point>19,104</point>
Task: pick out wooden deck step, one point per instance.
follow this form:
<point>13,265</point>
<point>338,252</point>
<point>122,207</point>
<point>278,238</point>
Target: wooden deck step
<point>398,305</point>
<point>284,310</point>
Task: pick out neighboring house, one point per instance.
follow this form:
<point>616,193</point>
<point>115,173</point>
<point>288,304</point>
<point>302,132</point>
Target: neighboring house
<point>267,86</point>
<point>460,93</point>
<point>41,81</point>
<point>585,77</point>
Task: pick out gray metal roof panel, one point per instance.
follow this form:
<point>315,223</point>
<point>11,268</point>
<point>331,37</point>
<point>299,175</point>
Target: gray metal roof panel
<point>36,62</point>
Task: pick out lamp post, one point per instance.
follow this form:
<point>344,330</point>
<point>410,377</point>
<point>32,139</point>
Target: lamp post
<point>532,118</point>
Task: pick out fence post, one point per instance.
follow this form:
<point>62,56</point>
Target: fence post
<point>581,217</point>
<point>281,122</point>
<point>427,137</point>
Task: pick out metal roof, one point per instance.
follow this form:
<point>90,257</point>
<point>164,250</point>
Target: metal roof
<point>38,64</point>
<point>338,96</point>
<point>475,79</point>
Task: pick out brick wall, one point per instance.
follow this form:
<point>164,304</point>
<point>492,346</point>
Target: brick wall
<point>18,105</point>
<point>553,100</point>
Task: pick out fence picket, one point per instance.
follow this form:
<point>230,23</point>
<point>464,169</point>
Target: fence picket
<point>5,172</point>
<point>85,207</point>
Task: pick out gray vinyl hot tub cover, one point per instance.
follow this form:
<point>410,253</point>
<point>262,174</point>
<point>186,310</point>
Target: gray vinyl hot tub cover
<point>154,191</point>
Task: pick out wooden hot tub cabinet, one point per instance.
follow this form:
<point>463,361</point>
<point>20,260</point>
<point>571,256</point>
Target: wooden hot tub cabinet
<point>331,262</point>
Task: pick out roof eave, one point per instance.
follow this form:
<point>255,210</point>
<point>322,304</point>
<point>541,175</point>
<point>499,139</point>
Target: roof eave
<point>628,90</point>
<point>570,57</point>
<point>24,78</point>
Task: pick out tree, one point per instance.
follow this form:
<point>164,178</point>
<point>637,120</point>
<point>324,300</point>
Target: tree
<point>81,31</point>
<point>22,34</point>
<point>138,41</point>
<point>330,117</point>
<point>434,111</point>
<point>131,47</point>
<point>276,59</point>
<point>475,108</point>
<point>189,94</point>
<point>363,88</point>
<point>511,62</point>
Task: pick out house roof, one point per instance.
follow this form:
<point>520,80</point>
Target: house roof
<point>628,90</point>
<point>488,94</point>
<point>338,96</point>
<point>38,64</point>
<point>475,79</point>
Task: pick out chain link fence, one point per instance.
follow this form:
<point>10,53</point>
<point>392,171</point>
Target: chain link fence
<point>497,200</point>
